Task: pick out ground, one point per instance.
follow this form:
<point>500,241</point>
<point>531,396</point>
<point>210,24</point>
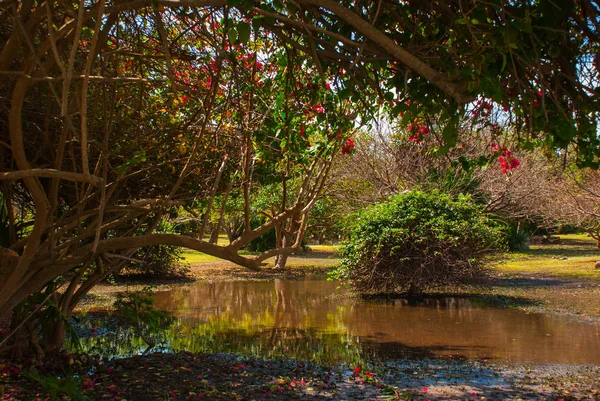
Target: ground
<point>556,279</point>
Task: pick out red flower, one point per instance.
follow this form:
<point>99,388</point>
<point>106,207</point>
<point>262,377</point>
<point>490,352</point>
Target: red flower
<point>302,130</point>
<point>508,162</point>
<point>318,108</point>
<point>346,149</point>
<point>416,138</point>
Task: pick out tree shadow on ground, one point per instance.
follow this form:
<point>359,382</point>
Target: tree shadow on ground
<point>529,281</point>
<point>567,248</point>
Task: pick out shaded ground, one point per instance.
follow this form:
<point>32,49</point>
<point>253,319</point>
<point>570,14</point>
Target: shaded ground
<point>187,376</point>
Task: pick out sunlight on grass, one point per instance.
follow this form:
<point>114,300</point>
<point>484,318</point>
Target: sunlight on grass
<point>318,256</point>
<point>190,256</point>
<point>197,257</point>
<point>325,248</point>
<point>575,257</point>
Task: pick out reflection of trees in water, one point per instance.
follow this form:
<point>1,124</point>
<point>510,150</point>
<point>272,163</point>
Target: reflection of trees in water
<point>278,312</point>
<point>290,304</point>
<point>245,337</point>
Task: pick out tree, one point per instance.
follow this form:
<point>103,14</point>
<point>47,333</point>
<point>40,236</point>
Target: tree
<point>145,131</point>
<point>579,201</point>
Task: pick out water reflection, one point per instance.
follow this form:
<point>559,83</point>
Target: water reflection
<point>310,320</point>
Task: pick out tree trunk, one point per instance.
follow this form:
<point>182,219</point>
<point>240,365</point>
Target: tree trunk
<point>8,261</point>
<point>55,334</point>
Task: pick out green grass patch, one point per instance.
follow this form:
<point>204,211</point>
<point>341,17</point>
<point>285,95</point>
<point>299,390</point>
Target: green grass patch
<point>333,249</point>
<point>191,257</point>
<point>197,257</point>
<point>317,252</point>
<point>573,258</point>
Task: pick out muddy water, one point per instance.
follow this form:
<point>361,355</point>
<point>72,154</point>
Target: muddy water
<point>309,319</point>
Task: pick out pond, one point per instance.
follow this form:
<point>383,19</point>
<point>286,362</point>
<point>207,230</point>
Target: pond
<point>313,320</point>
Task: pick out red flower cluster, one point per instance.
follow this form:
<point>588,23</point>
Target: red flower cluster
<point>364,376</point>
<point>316,108</point>
<point>417,132</point>
<point>348,146</point>
<point>128,65</point>
<point>506,160</point>
<point>248,61</point>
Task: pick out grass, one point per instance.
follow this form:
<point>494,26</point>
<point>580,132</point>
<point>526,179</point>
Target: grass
<point>550,278</point>
<point>332,249</point>
<point>198,257</point>
<point>573,258</point>
<point>319,256</point>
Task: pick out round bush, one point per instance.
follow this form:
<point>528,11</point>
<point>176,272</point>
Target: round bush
<point>418,241</point>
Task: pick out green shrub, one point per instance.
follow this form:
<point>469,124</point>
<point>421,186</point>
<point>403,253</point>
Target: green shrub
<point>417,241</point>
<point>160,261</point>
<point>517,240</point>
<point>264,242</point>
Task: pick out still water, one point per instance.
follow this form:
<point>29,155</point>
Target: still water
<point>312,319</point>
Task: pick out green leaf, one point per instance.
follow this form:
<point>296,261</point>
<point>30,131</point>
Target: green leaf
<point>443,150</point>
<point>474,21</point>
<point>462,21</point>
<point>257,22</point>
<point>243,32</point>
<point>450,132</point>
<point>232,35</point>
